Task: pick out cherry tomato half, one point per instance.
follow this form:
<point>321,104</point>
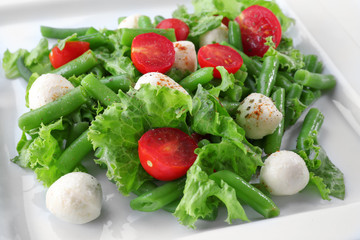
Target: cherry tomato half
<point>181,28</point>
<point>213,55</point>
<point>166,153</point>
<point>71,51</point>
<point>256,24</point>
<point>151,52</point>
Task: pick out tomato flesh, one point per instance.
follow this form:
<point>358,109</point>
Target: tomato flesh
<point>71,51</point>
<point>166,153</point>
<point>151,52</point>
<point>256,24</point>
<point>180,27</point>
<point>213,55</point>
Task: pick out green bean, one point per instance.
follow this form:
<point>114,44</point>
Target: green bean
<point>76,130</point>
<point>97,40</point>
<point>78,66</point>
<point>235,35</point>
<point>61,33</point>
<point>201,76</point>
<point>25,73</point>
<point>283,80</point>
<point>252,66</point>
<point>312,64</point>
<point>312,122</point>
<point>53,110</point>
<point>308,96</point>
<point>267,77</point>
<point>273,141</point>
<point>247,193</point>
<point>128,34</point>
<point>145,22</point>
<point>230,106</point>
<point>73,154</point>
<point>149,186</point>
<point>115,83</point>
<point>158,19</point>
<point>98,90</point>
<point>159,197</point>
<point>315,80</point>
<point>293,105</point>
<point>98,71</point>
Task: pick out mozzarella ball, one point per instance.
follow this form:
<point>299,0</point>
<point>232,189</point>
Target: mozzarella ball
<point>216,35</point>
<point>130,22</point>
<point>284,173</point>
<point>75,197</point>
<point>185,56</point>
<point>159,79</point>
<point>258,116</point>
<point>47,88</point>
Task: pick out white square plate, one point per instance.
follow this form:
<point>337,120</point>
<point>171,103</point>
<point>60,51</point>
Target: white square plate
<point>322,27</point>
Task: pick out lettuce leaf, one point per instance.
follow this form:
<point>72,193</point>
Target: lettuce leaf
<point>199,23</point>
<point>202,195</point>
<point>117,131</point>
<point>209,117</point>
<point>41,153</point>
<point>323,173</point>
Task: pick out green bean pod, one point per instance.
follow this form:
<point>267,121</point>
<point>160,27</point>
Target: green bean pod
<point>158,19</point>
<point>283,80</point>
<point>75,153</point>
<point>201,76</point>
<point>53,110</point>
<point>312,64</point>
<point>61,33</point>
<point>273,141</point>
<point>119,82</point>
<point>25,73</point>
<point>309,96</point>
<point>267,77</point>
<point>312,122</point>
<point>235,35</point>
<point>78,66</point>
<point>145,22</point>
<point>76,130</point>
<point>97,40</point>
<point>315,80</point>
<point>247,193</point>
<point>128,34</point>
<point>293,111</point>
<point>159,197</point>
<point>98,90</point>
<point>252,66</point>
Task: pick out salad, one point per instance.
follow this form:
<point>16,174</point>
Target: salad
<point>137,95</point>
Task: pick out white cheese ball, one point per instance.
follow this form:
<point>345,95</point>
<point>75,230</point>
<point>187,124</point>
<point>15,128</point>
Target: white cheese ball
<point>216,35</point>
<point>284,173</point>
<point>258,116</point>
<point>75,197</point>
<point>130,22</point>
<point>185,56</point>
<point>159,79</point>
<point>47,88</point>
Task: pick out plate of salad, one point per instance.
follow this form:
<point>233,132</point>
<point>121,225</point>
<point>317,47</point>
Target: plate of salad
<point>165,120</point>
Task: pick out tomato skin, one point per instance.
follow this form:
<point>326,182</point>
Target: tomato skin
<point>166,153</point>
<point>213,55</point>
<point>151,52</point>
<point>256,24</point>
<point>181,28</point>
<point>71,51</point>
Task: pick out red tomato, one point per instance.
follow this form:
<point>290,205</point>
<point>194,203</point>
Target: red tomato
<point>151,52</point>
<point>213,55</point>
<point>71,51</point>
<point>166,153</point>
<point>256,24</point>
<point>181,28</point>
